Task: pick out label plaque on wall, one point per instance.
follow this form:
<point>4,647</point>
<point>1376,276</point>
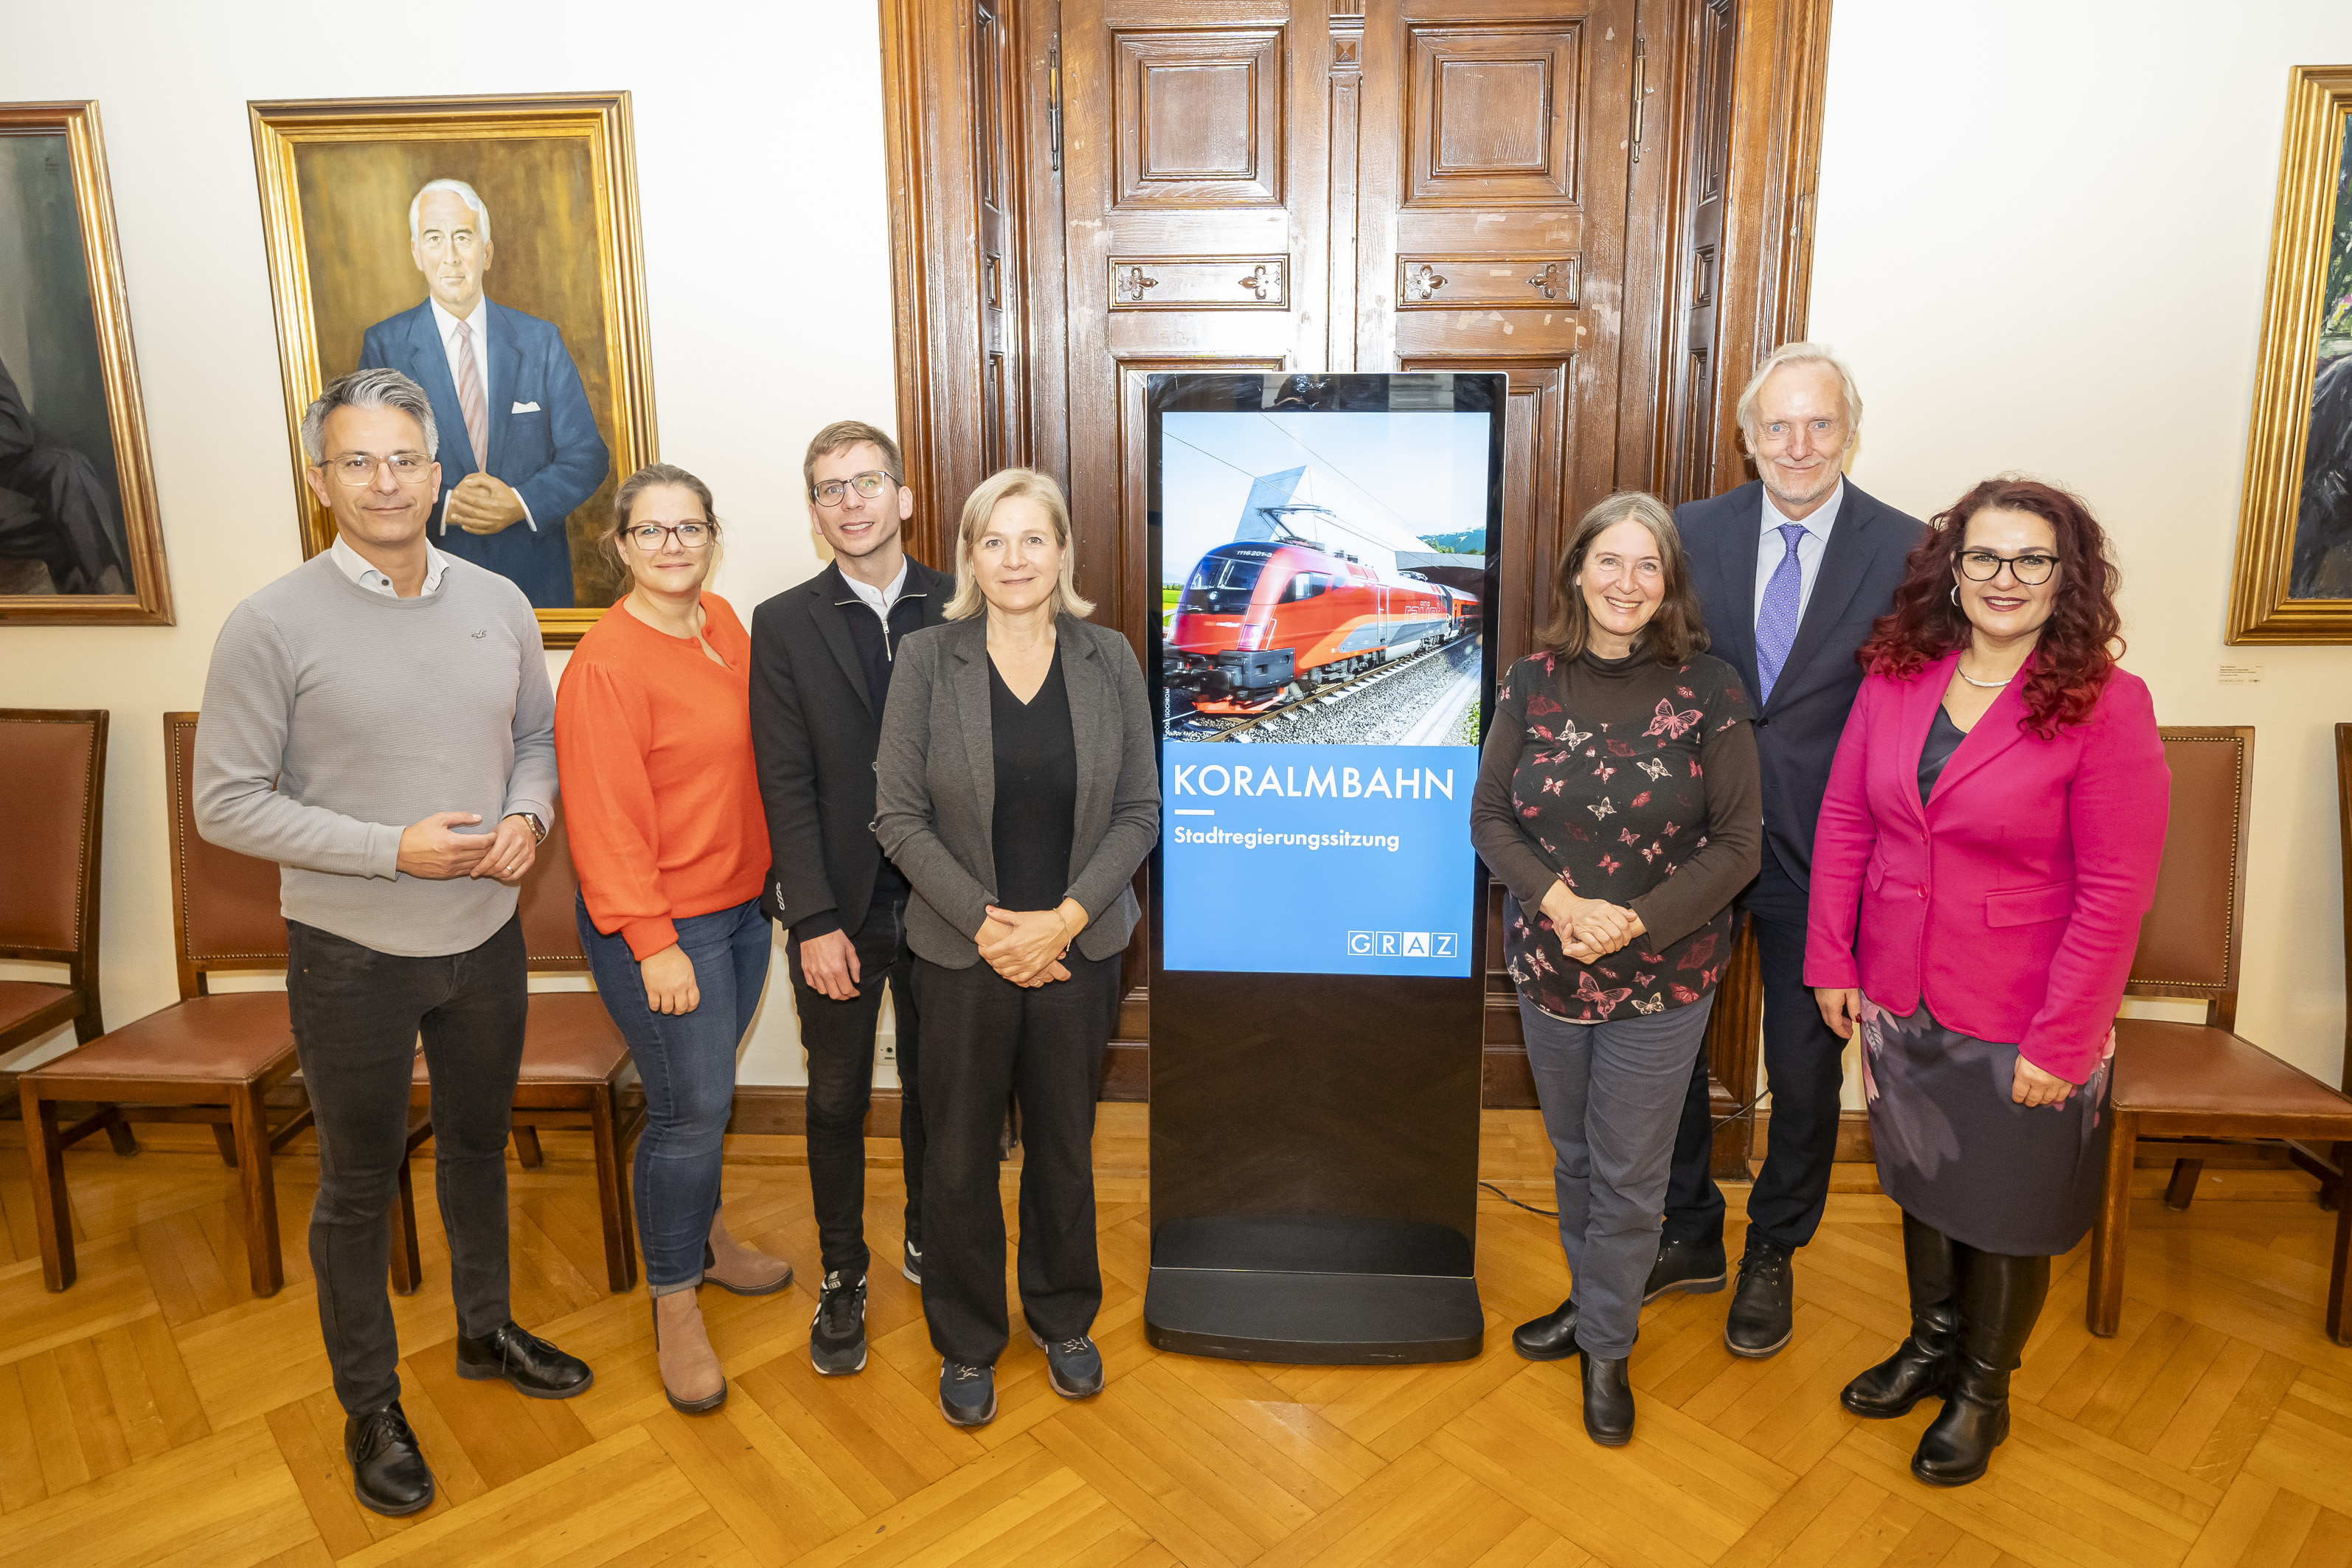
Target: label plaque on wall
<point>1322,674</point>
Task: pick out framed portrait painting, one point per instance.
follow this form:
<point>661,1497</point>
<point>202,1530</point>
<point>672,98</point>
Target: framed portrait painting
<point>80,542</point>
<point>487,247</point>
<point>2293,582</point>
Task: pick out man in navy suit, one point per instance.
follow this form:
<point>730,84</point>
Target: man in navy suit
<point>519,443</point>
<point>1790,569</point>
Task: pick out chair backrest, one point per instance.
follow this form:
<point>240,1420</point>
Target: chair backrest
<point>224,906</point>
<point>2188,943</point>
<point>550,936</point>
<point>53,799</point>
<point>2344,839</point>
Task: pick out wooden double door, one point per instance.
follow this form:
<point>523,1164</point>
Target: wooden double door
<point>1085,192</point>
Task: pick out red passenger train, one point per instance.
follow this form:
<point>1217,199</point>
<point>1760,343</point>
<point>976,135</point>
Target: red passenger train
<point>1258,615</point>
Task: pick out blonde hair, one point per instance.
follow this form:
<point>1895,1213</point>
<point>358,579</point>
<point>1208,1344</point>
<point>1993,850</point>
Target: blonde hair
<point>1007,484</point>
<point>1796,353</point>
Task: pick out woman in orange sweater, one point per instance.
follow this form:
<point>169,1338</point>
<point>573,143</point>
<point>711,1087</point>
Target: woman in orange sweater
<point>653,738</point>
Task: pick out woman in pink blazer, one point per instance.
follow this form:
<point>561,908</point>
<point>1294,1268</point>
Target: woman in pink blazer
<point>1986,848</point>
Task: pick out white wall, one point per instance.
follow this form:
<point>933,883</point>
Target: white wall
<point>2043,233</point>
<point>759,151</point>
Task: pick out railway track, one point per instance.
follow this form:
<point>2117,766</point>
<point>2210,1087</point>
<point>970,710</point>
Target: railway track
<point>1216,727</point>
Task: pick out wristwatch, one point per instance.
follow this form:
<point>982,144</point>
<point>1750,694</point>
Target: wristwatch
<point>537,828</point>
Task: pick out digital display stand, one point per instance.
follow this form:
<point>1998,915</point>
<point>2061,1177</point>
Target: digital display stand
<point>1324,547</point>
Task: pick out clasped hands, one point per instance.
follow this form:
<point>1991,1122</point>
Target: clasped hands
<point>1027,946</point>
<point>481,504</point>
<point>1589,928</point>
<point>435,850</point>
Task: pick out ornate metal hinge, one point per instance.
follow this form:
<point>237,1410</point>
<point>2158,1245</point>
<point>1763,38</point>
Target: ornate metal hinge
<point>1424,283</point>
<point>1131,284</point>
<point>1257,280</point>
<point>1054,99</point>
<point>1549,281</point>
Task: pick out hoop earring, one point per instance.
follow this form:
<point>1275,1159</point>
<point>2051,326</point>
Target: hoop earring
<point>1955,596</point>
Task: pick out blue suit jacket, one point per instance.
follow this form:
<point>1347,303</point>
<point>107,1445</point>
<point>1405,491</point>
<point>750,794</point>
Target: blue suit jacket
<point>1797,730</point>
<point>550,453</point>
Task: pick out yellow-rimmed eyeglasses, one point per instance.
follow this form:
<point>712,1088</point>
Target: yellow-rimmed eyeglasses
<point>868,485</point>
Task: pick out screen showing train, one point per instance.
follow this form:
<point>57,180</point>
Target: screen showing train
<point>1322,551</point>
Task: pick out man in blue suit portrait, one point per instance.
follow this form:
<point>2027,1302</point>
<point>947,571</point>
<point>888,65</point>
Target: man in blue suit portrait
<point>519,445</point>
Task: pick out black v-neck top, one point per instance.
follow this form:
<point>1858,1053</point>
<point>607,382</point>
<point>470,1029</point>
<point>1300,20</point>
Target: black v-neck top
<point>1036,791</point>
<point>1943,738</point>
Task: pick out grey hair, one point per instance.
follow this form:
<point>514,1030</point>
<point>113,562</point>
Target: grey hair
<point>464,192</point>
<point>379,388</point>
<point>1797,354</point>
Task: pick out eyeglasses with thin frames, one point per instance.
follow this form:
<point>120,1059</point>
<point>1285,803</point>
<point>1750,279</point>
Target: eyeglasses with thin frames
<point>649,536</point>
<point>356,471</point>
<point>2032,568</point>
<point>868,485</point>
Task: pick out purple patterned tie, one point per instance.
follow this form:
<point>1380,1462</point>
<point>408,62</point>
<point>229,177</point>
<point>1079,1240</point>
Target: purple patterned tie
<point>1775,618</point>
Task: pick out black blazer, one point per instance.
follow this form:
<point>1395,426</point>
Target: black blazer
<point>938,817</point>
<point>814,733</point>
<point>1797,731</point>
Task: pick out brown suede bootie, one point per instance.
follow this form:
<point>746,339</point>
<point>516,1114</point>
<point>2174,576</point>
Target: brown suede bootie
<point>690,1372</point>
<point>739,1267</point>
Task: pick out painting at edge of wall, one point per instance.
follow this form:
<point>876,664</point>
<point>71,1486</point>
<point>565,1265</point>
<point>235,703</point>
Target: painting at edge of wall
<point>2293,582</point>
<point>81,544</point>
<point>487,248</point>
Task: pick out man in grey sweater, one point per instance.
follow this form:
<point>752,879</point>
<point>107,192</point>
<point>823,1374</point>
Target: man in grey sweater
<point>378,722</point>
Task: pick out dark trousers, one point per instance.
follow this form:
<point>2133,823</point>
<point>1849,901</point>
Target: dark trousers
<point>357,1016</point>
<point>983,1038</point>
<point>839,1038</point>
<point>1804,1069</point>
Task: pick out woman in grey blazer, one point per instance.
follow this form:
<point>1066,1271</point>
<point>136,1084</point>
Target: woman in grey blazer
<point>1018,792</point>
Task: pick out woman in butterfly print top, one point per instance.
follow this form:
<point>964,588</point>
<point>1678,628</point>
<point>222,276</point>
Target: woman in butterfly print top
<point>1618,800</point>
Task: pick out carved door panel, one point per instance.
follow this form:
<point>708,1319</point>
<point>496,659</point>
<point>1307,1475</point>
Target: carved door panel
<point>1494,168</point>
<point>1195,198</point>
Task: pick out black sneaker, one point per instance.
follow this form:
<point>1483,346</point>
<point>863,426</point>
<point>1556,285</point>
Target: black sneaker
<point>1074,1367</point>
<point>388,1471</point>
<point>967,1393</point>
<point>1763,1307</point>
<point>837,1334</point>
<point>1685,1266</point>
<point>910,1263</point>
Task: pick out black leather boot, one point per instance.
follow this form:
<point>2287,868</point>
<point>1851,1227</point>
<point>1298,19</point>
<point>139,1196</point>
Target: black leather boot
<point>1764,1303</point>
<point>1922,1364</point>
<point>2000,1296</point>
<point>1608,1401</point>
<point>1551,1337</point>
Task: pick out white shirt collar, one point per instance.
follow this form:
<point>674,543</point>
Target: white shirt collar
<point>356,566</point>
<point>879,600</point>
<point>480,321</point>
<point>1818,523</point>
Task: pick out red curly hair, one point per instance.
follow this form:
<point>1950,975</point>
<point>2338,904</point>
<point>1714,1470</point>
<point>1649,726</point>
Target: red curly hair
<point>2079,643</point>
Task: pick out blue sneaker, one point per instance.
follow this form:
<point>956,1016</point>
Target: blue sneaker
<point>1074,1367</point>
<point>967,1393</point>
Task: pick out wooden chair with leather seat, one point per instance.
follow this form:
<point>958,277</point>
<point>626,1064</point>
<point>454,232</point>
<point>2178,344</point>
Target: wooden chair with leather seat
<point>574,1062</point>
<point>2202,1080</point>
<point>209,1057</point>
<point>53,798</point>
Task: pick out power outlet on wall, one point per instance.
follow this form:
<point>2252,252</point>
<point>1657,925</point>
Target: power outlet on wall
<point>886,1050</point>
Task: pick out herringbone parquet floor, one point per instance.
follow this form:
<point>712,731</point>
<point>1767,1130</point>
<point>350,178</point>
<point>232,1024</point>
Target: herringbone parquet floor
<point>158,1413</point>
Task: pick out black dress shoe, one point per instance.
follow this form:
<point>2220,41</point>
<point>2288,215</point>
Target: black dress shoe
<point>1687,1266</point>
<point>1763,1307</point>
<point>532,1365</point>
<point>388,1471</point>
<point>1608,1402</point>
<point>1551,1337</point>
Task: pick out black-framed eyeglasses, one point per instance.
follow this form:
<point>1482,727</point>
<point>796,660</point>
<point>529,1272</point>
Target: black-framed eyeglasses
<point>868,485</point>
<point>649,536</point>
<point>2032,568</point>
<point>356,471</point>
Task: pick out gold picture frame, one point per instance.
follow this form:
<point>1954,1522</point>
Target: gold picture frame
<point>337,179</point>
<point>2289,586</point>
<point>96,380</point>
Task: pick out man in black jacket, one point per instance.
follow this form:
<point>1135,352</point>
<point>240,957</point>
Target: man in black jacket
<point>822,655</point>
<point>1790,570</point>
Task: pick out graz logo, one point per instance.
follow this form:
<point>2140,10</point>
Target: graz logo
<point>1402,943</point>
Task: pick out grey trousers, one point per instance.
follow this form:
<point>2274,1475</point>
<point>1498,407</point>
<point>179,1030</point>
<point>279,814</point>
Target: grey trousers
<point>1612,1096</point>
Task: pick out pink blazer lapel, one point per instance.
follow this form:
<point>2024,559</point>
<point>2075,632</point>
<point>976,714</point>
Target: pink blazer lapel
<point>2001,728</point>
<point>1917,716</point>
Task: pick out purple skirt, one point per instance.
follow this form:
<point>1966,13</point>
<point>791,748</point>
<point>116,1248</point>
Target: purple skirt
<point>1957,1153</point>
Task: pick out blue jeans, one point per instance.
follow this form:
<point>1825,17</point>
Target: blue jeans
<point>687,1064</point>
